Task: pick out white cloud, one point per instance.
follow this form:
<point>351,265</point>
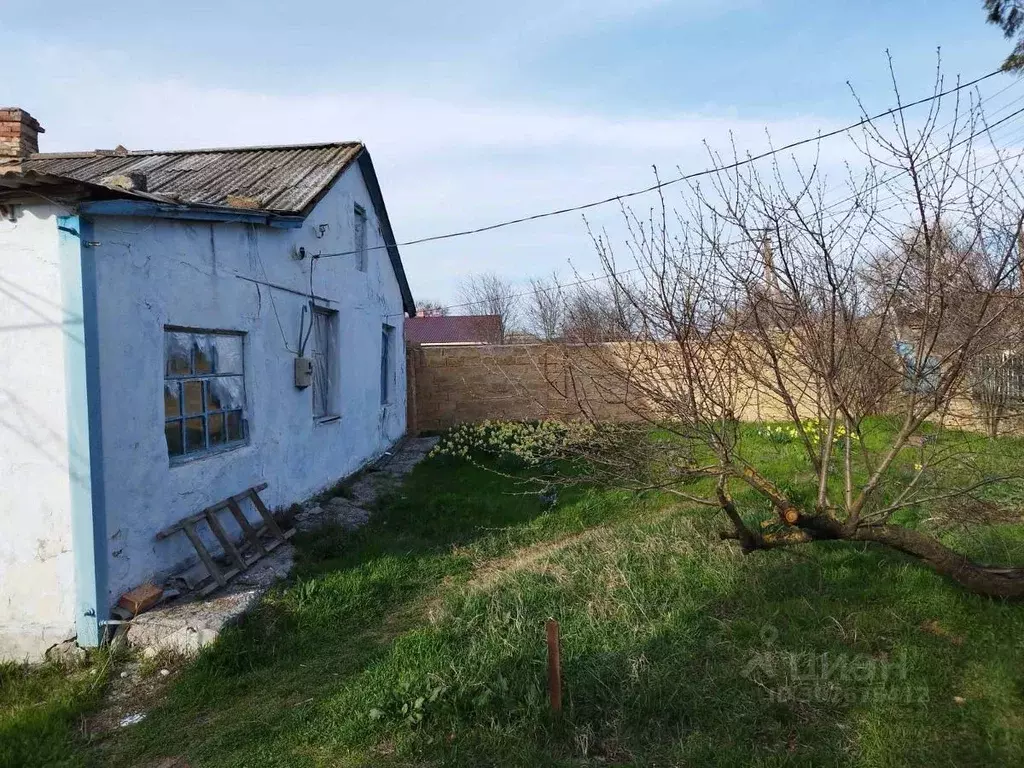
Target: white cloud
<point>445,163</point>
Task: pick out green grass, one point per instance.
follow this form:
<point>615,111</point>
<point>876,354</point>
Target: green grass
<point>41,710</point>
<point>419,640</point>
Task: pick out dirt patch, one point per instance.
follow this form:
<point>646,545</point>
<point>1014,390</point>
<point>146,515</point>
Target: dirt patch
<point>933,627</point>
<point>533,559</point>
<point>135,687</point>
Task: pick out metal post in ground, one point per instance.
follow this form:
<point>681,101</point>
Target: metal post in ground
<point>554,666</point>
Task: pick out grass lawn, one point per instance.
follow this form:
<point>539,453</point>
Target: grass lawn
<point>419,640</point>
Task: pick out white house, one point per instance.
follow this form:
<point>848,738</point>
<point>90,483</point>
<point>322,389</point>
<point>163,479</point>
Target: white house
<point>152,308</point>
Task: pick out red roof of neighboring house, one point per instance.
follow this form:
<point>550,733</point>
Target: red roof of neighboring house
<point>454,329</point>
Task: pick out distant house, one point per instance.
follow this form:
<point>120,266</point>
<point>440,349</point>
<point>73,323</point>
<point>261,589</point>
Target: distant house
<point>454,329</point>
<point>161,315</point>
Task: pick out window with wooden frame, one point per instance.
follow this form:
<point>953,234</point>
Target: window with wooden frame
<point>325,364</point>
<point>360,237</point>
<point>204,391</point>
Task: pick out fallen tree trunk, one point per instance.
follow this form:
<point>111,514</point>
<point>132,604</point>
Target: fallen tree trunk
<point>980,579</point>
<point>991,581</point>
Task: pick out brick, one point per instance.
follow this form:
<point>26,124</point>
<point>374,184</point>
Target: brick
<point>141,598</point>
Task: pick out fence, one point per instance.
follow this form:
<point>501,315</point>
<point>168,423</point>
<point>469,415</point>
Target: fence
<point>451,385</point>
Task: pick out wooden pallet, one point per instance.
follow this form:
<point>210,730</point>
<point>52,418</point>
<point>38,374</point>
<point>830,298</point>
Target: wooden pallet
<point>261,540</point>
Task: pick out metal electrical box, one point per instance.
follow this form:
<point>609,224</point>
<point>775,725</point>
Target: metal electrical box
<point>303,372</point>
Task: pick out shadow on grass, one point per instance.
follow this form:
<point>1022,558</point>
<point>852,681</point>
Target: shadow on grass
<point>676,649</point>
<point>351,594</point>
<point>843,657</point>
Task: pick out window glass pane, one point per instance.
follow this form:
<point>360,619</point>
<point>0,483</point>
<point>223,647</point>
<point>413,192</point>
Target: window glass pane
<point>193,397</point>
<point>195,435</point>
<point>216,427</point>
<point>236,427</point>
<point>177,353</point>
<point>202,359</point>
<point>226,393</point>
<point>227,354</point>
<point>172,399</point>
<point>172,431</point>
<point>204,391</point>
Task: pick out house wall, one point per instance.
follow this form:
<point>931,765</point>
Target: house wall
<point>153,273</point>
<point>37,590</point>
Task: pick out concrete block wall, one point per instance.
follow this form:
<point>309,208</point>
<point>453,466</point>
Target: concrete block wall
<point>451,385</point>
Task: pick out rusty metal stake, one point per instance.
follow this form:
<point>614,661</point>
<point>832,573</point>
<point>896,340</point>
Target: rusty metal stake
<point>554,666</point>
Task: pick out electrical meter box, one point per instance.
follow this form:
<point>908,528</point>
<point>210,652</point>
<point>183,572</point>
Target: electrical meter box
<point>303,372</point>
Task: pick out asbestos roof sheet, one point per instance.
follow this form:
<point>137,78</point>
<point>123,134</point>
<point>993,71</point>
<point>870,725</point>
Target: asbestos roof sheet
<point>286,179</point>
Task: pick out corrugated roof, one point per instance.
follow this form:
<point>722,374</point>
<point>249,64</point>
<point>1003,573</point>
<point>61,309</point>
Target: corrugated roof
<point>285,179</point>
<point>456,329</point>
<point>279,181</point>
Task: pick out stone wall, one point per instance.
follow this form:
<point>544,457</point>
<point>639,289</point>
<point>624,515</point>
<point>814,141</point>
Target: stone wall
<point>451,385</point>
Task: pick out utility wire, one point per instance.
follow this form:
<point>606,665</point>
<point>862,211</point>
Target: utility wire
<point>885,180</point>
<point>662,184</point>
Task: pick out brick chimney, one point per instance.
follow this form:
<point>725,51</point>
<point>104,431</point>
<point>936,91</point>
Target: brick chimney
<point>19,133</point>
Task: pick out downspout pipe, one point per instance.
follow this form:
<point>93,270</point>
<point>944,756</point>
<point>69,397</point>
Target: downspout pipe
<point>77,258</point>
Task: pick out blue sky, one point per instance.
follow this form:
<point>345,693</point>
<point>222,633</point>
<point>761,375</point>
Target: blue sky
<point>476,112</point>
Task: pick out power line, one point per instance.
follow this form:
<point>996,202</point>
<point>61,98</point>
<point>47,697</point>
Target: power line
<point>885,180</point>
<point>662,184</point>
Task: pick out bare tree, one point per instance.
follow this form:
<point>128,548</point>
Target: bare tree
<point>429,308</point>
<point>487,293</point>
<point>545,308</point>
<point>767,297</point>
<point>595,313</point>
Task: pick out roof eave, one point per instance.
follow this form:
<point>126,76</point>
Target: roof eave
<point>373,187</point>
<point>165,210</point>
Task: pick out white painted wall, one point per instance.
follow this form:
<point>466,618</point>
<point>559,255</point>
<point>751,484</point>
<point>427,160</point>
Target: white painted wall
<point>153,273</point>
<point>37,590</point>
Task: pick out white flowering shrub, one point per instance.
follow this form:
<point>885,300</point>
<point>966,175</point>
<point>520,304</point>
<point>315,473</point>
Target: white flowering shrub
<point>527,443</point>
<point>816,431</point>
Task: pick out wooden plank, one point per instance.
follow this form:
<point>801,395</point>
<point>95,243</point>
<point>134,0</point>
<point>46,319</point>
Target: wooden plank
<point>238,497</point>
<point>271,546</point>
<point>268,519</point>
<point>246,526</point>
<point>225,541</point>
<point>199,516</point>
<point>214,585</point>
<point>180,525</point>
<point>204,555</point>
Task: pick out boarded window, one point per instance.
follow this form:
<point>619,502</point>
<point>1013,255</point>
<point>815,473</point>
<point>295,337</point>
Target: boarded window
<point>360,238</point>
<point>325,363</point>
<point>204,390</point>
<point>386,335</point>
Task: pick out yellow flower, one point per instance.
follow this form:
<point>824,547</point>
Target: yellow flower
<point>918,467</point>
